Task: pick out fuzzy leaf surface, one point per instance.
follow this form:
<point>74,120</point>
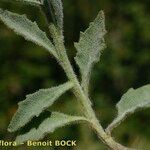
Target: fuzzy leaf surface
<point>131,101</point>
<point>30,2</point>
<point>35,103</point>
<point>53,10</point>
<point>33,2</point>
<point>89,48</point>
<point>49,125</point>
<point>26,28</point>
<point>56,11</point>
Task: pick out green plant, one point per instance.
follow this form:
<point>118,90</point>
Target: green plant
<point>89,49</point>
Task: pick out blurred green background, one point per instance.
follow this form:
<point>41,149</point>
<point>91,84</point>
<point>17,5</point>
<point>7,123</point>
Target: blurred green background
<point>25,68</point>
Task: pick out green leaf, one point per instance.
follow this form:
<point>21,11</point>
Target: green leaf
<point>57,12</point>
<point>35,103</point>
<point>28,29</point>
<point>49,125</point>
<point>89,48</point>
<point>30,2</point>
<point>130,102</point>
<point>54,9</point>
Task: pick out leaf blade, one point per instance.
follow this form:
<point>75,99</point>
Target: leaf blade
<point>30,2</point>
<point>35,103</point>
<point>53,9</point>
<point>58,12</point>
<point>28,29</point>
<point>131,101</point>
<point>89,48</point>
<point>49,125</point>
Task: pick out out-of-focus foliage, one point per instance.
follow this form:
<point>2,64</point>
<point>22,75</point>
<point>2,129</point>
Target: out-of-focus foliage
<point>25,68</point>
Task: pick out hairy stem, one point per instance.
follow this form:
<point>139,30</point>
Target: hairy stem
<point>78,92</point>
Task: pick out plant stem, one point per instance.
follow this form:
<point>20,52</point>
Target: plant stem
<point>78,92</point>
